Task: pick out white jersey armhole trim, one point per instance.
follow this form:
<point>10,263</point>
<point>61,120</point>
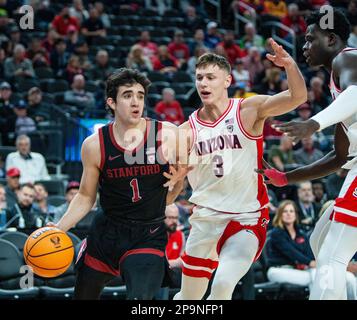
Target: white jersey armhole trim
<point>194,133</point>
<point>249,136</point>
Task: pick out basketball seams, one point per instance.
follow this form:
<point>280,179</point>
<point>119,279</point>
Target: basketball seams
<point>46,254</point>
<point>33,264</point>
<point>51,234</point>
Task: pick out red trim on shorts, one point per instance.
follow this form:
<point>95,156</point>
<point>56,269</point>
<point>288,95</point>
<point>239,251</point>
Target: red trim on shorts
<point>213,124</point>
<point>141,144</point>
<point>81,250</point>
<point>196,273</point>
<point>141,251</point>
<point>99,265</point>
<point>259,230</point>
<point>102,148</point>
<point>349,199</point>
<point>199,262</point>
<point>240,124</point>
<point>345,218</point>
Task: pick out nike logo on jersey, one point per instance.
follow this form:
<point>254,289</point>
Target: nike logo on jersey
<point>153,231</point>
<point>111,158</point>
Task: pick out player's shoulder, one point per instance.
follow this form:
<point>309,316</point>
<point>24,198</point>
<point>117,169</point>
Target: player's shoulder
<point>346,59</point>
<point>92,143</point>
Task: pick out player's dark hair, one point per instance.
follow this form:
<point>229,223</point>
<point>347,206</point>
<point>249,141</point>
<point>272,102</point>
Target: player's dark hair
<point>124,77</point>
<point>215,60</point>
<point>340,26</point>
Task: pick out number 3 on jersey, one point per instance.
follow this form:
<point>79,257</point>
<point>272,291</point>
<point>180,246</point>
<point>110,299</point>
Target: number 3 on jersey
<point>136,193</point>
<point>218,166</point>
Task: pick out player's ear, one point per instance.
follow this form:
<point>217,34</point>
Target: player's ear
<point>228,81</point>
<point>332,38</point>
<point>111,103</point>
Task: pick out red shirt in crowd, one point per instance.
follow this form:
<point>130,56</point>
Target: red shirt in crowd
<point>233,52</point>
<point>171,112</point>
<point>175,245</point>
<point>61,25</point>
<point>298,25</point>
<point>179,50</point>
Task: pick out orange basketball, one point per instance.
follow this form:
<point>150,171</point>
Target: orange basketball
<point>49,251</point>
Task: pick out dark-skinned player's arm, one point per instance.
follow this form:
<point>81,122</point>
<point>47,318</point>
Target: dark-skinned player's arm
<point>330,163</point>
<point>178,166</point>
<point>288,100</point>
<point>83,201</point>
<point>343,107</point>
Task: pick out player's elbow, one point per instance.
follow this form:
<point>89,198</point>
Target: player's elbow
<point>299,97</point>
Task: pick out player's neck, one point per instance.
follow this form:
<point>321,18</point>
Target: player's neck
<point>329,60</point>
<point>211,112</point>
<point>128,135</point>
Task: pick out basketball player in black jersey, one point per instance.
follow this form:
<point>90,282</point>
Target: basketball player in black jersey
<point>129,159</point>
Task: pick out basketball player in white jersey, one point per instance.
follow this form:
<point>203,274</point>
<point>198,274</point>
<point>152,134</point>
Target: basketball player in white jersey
<point>334,239</point>
<point>224,146</point>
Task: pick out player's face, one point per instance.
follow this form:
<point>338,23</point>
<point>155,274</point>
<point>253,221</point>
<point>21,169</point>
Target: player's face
<point>212,84</point>
<point>129,105</point>
<point>289,214</point>
<point>315,46</point>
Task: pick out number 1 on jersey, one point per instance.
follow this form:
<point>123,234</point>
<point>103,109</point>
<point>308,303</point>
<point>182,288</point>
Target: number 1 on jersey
<point>136,194</point>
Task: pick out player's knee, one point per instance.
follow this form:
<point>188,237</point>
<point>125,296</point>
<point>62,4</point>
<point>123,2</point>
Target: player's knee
<point>222,288</point>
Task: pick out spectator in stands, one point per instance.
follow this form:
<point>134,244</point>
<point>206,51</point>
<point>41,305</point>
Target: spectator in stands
<point>308,209</point>
<point>319,191</point>
<point>23,214</point>
<point>212,36</point>
<point>179,49</point>
<point>352,12</point>
<point>197,41</point>
<point>50,41</point>
<point>59,57</point>
<point>23,123</point>
<point>251,38</point>
<point>73,68</point>
<point>169,109</point>
<point>73,37</point>
<point>137,60</point>
<point>275,8</point>
<point>15,38</point>
<point>18,65</point>
<point>164,62</point>
<point>71,190</point>
<point>352,40</point>
<point>192,20</point>
<point>232,50</point>
<point>268,131</point>
<point>32,165</point>
<point>36,51</point>
<point>290,258</point>
<point>282,155</point>
<point>295,21</point>
<point>240,74</point>
<point>253,63</point>
<point>93,26</point>
<point>37,109</point>
<point>176,240</point>
<point>63,21</point>
<point>191,64</point>
<point>149,48</point>
<point>3,202</point>
<point>81,49</point>
<point>78,96</point>
<point>6,98</point>
<point>41,204</point>
<point>307,154</point>
<point>334,183</point>
<point>78,11</point>
<point>2,167</point>
<point>12,185</point>
<point>102,69</point>
<point>303,111</point>
<point>104,17</point>
<point>320,100</point>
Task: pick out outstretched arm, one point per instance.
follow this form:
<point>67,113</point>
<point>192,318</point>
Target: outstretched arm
<point>283,102</point>
<point>330,163</point>
<point>83,202</point>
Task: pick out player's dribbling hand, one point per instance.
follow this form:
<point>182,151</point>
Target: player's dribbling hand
<point>176,174</point>
<point>280,57</point>
<point>51,224</point>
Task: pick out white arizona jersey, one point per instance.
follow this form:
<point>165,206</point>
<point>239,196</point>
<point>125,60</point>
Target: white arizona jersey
<point>349,125</point>
<point>224,157</point>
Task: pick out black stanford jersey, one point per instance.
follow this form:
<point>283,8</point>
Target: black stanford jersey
<point>131,182</point>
